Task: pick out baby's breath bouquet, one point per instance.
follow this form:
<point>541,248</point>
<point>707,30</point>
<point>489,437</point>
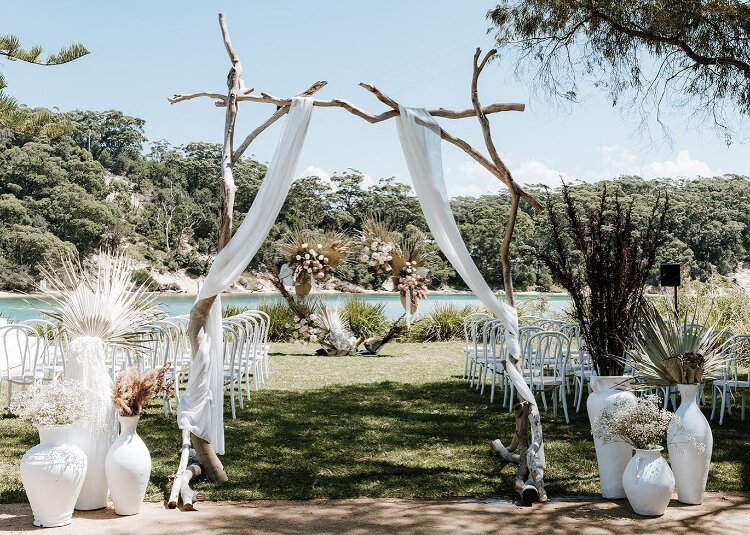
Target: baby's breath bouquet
<point>642,423</point>
<point>52,404</point>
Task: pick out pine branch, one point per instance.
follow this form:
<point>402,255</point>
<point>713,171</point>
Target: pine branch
<point>11,48</point>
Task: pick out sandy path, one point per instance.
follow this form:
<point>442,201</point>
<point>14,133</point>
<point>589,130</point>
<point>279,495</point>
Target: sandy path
<point>719,514</point>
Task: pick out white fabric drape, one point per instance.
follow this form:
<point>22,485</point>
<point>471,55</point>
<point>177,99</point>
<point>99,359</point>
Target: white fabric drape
<point>201,408</point>
<point>420,140</point>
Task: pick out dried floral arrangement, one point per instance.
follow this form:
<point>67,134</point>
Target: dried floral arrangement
<point>672,349</point>
<point>133,389</point>
<point>642,423</point>
<point>404,259</point>
<point>57,403</point>
<point>311,256</point>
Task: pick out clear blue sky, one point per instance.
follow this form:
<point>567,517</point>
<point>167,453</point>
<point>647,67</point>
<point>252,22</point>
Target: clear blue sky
<point>416,51</point>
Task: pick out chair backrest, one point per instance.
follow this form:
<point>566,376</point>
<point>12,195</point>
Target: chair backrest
<point>470,323</point>
<point>497,348</point>
<point>52,359</point>
<point>21,347</point>
<point>735,352</point>
<point>546,355</point>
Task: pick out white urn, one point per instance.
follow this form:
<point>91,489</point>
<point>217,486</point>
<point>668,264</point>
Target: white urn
<point>611,458</point>
<point>648,482</point>
<point>52,473</point>
<point>689,464</point>
<point>128,467</point>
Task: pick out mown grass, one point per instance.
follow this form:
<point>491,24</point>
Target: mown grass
<point>400,425</point>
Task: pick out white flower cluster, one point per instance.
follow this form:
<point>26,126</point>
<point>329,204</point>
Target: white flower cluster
<point>377,255</point>
<point>642,423</point>
<point>49,404</point>
<point>411,281</point>
<point>304,329</point>
<point>311,263</point>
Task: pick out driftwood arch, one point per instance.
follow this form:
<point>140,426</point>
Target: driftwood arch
<point>525,449</point>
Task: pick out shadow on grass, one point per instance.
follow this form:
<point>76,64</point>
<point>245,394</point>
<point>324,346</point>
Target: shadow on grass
<point>387,439</point>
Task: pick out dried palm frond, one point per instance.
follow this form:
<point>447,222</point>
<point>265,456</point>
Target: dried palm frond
<point>133,389</point>
<point>672,349</point>
<point>104,303</point>
<point>338,334</point>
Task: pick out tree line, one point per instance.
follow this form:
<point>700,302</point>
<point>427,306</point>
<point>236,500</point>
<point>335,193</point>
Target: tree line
<point>103,186</point>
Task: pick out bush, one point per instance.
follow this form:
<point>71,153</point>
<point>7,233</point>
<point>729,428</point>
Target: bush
<point>365,319</point>
<point>232,310</point>
<point>282,321</point>
<point>142,277</point>
<point>445,322</point>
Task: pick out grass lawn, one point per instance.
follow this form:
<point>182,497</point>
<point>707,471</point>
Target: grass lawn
<point>400,425</point>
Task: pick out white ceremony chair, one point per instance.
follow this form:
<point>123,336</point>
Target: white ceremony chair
<point>478,354</point>
<point>21,347</point>
<point>731,376</point>
<point>52,359</point>
<point>546,359</point>
<point>470,333</point>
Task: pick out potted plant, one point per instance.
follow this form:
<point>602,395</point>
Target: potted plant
<point>128,462</point>
<point>53,471</point>
<point>602,255</point>
<point>669,350</point>
<point>642,425</point>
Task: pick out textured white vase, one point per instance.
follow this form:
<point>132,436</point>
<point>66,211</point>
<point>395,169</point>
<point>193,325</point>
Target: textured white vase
<point>648,482</point>
<point>86,363</point>
<point>128,468</point>
<point>690,466</point>
<point>611,458</point>
<point>52,473</point>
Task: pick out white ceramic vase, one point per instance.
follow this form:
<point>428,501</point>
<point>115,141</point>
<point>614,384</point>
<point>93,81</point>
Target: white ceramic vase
<point>128,468</point>
<point>94,435</point>
<point>52,473</point>
<point>648,482</point>
<point>690,466</point>
<point>611,458</point>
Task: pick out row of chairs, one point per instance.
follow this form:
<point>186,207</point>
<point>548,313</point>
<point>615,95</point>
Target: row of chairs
<point>554,361</point>
<point>35,350</point>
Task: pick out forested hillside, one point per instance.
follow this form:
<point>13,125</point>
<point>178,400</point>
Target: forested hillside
<point>104,186</point>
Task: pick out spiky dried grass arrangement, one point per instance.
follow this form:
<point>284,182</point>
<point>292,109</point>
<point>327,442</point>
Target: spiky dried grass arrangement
<point>103,302</point>
<point>311,256</point>
<point>672,350</point>
<point>133,389</point>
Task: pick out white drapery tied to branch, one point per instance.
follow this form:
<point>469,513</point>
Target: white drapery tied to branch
<point>201,408</point>
<point>419,134</point>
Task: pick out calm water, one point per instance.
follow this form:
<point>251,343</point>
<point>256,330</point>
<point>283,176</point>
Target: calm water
<point>21,308</point>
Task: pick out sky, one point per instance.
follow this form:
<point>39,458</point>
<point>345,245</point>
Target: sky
<point>418,52</point>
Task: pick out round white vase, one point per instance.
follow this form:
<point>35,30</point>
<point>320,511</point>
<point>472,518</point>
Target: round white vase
<point>52,473</point>
<point>128,468</point>
<point>612,458</point>
<point>689,465</point>
<point>648,482</point>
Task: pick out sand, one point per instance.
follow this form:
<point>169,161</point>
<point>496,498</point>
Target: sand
<point>720,514</point>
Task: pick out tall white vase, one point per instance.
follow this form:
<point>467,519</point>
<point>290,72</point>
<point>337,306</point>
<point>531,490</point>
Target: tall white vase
<point>648,482</point>
<point>52,473</point>
<point>689,465</point>
<point>87,364</point>
<point>128,468</point>
<point>611,458</point>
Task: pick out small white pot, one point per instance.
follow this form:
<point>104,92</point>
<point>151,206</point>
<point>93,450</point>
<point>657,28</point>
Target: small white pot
<point>612,458</point>
<point>648,482</point>
<point>689,465</point>
<point>128,468</point>
<point>52,473</point>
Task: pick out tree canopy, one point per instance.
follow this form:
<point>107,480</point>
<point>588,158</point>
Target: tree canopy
<point>36,121</point>
<point>685,54</point>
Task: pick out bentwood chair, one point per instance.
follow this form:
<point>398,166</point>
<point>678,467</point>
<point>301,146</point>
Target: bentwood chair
<point>21,347</point>
<point>732,376</point>
<point>546,358</point>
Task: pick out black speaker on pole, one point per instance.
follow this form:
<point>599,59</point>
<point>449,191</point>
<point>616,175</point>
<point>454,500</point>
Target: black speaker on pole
<point>670,274</point>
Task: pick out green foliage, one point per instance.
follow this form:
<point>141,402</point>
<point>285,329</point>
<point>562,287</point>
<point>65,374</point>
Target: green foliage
<point>365,319</point>
<point>232,310</point>
<point>281,321</point>
<point>649,55</point>
<point>141,277</point>
<point>444,322</point>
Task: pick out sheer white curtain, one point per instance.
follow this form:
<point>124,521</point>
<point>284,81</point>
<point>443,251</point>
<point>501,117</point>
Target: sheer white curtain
<point>201,408</point>
<point>420,140</point>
